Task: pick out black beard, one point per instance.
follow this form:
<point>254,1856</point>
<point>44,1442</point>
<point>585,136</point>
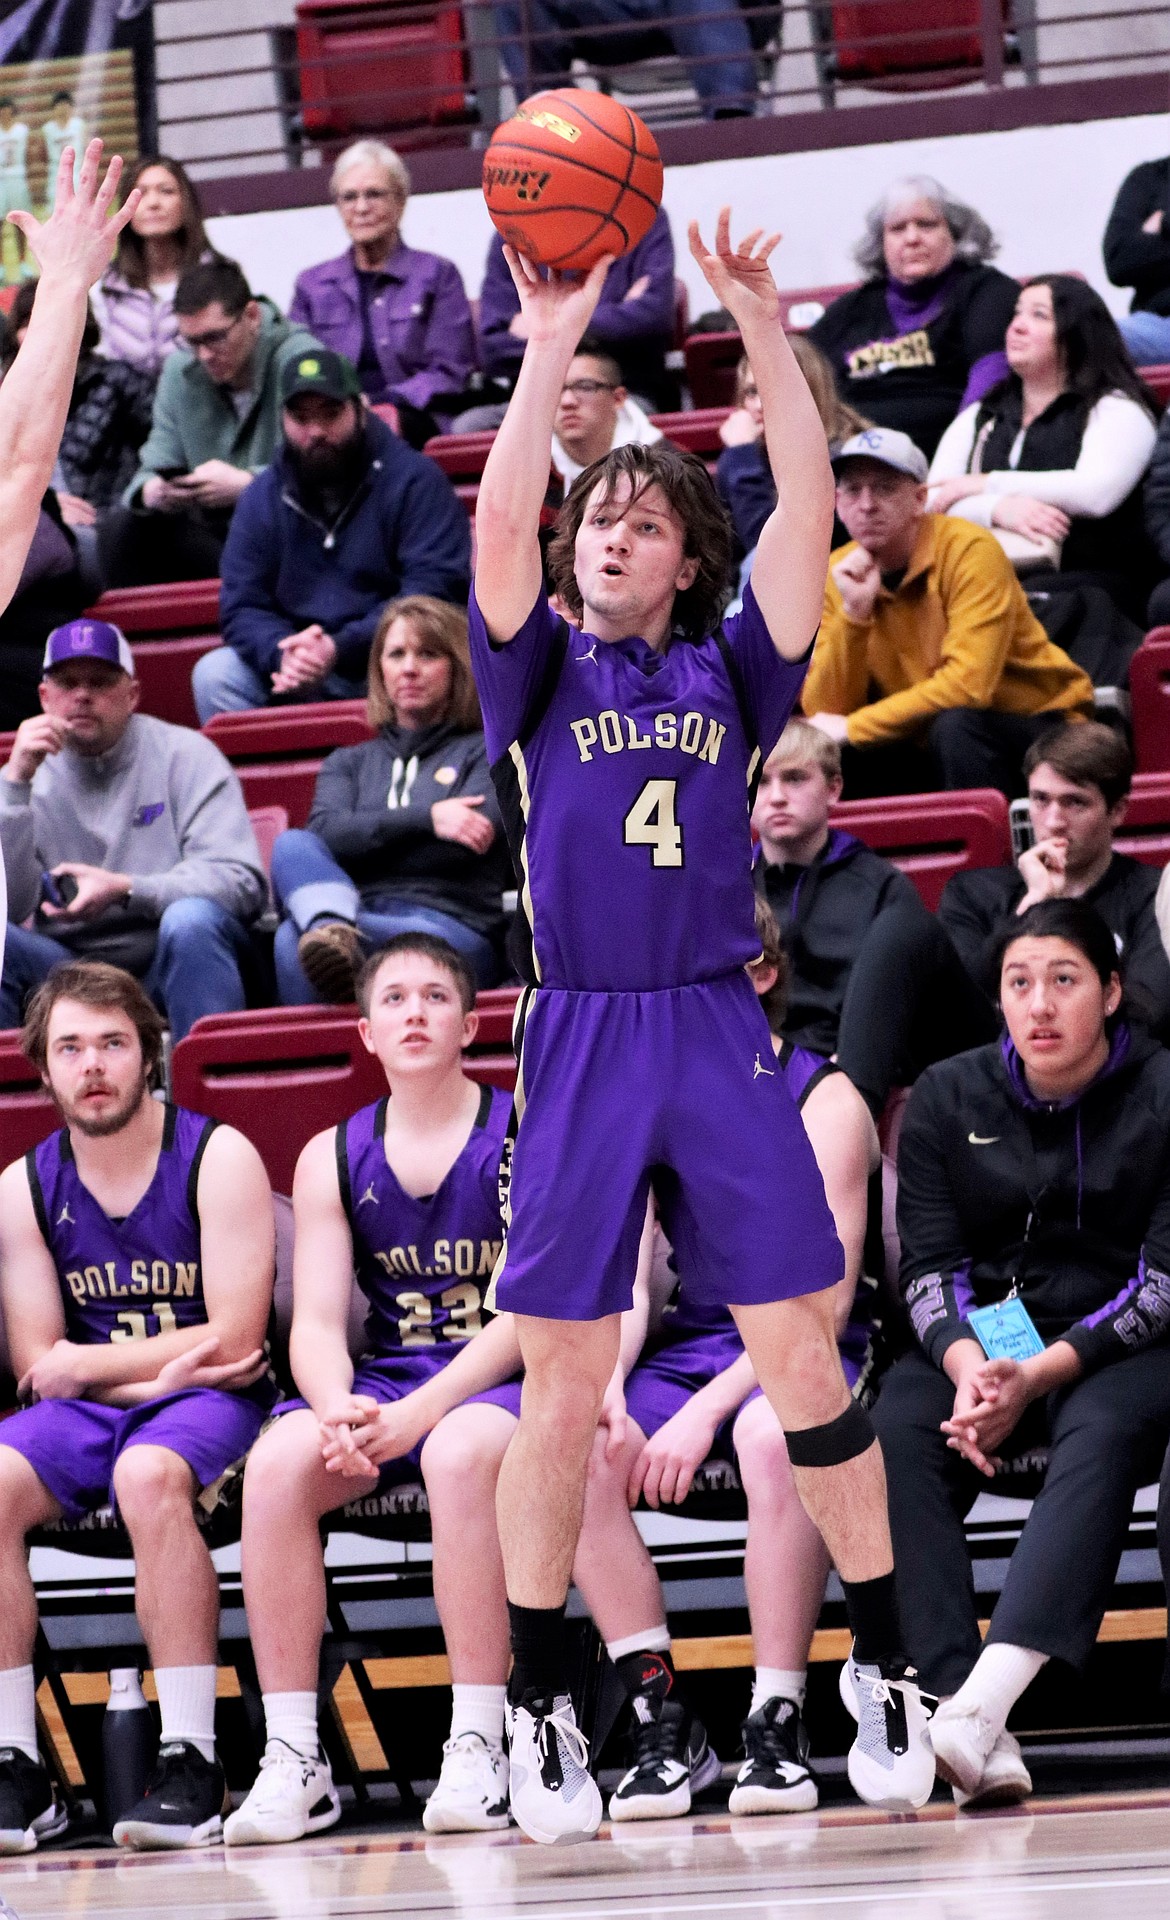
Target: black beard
<point>329,469</point>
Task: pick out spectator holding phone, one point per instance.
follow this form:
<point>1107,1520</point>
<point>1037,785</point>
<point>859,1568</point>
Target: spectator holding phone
<point>125,838</point>
<point>1033,1177</point>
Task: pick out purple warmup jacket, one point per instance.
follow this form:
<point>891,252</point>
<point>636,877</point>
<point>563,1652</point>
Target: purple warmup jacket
<point>420,322</point>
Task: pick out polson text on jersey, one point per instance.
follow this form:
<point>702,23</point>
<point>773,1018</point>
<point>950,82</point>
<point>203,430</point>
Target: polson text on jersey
<point>619,733</point>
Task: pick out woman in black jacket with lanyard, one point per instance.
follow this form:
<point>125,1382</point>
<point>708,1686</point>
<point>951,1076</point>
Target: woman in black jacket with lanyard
<point>1034,1173</point>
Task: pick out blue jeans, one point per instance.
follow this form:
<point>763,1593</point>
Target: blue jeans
<point>717,50</point>
<point>1147,335</point>
<point>196,967</point>
<point>310,885</point>
<point>223,682</point>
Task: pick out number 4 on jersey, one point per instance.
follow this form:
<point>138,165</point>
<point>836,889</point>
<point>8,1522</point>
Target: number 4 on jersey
<point>651,823</point>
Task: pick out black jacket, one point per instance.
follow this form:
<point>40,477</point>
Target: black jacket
<point>1133,258</point>
<point>1070,1202</point>
<point>824,911</point>
<point>372,808</point>
<point>917,384</point>
<point>1157,492</point>
<point>109,419</point>
<point>976,904</point>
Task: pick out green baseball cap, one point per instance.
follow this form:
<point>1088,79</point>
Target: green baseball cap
<point>320,371</point>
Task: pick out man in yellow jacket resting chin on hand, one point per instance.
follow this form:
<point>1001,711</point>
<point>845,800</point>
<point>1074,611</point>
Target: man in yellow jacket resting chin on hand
<point>930,668</point>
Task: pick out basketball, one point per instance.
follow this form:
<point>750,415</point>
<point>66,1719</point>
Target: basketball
<point>571,176</point>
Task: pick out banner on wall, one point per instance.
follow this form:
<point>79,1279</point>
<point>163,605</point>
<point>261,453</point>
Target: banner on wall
<point>69,69</point>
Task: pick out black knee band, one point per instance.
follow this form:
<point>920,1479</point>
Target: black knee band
<point>838,1440</point>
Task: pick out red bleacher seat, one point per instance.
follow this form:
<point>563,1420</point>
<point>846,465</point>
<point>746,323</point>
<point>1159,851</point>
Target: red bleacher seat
<point>697,431</point>
<point>267,823</point>
<point>712,358</point>
<point>181,606</point>
<point>27,1114</point>
<point>164,675</point>
<point>930,836</point>
<point>380,66</point>
<point>277,751</point>
<point>1145,831</point>
<point>1157,380</point>
<point>461,456</point>
<point>284,1073</point>
<point>1149,686</point>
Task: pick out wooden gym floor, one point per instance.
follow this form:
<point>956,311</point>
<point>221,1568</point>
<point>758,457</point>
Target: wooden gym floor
<point>1080,1857</point>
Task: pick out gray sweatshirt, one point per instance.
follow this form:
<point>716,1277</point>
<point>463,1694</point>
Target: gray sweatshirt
<point>163,806</point>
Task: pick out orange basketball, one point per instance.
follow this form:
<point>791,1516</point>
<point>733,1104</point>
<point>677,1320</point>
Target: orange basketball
<point>571,176</point>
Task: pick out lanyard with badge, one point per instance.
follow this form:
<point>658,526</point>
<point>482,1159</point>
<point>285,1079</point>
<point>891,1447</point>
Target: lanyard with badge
<point>1006,1331</point>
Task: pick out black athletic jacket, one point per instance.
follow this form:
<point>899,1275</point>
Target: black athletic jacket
<point>976,904</point>
<point>824,911</point>
<point>1069,1203</point>
<point>1133,258</point>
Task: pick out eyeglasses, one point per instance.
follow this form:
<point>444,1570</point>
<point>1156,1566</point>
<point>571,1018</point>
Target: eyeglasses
<point>356,196</point>
<point>215,337</point>
<point>587,387</point>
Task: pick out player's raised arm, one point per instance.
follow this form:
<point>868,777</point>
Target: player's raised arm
<point>788,576</point>
<point>72,248</point>
<point>557,311</point>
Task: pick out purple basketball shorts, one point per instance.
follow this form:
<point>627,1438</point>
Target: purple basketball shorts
<point>684,1084</point>
<point>72,1445</point>
<point>667,1376</point>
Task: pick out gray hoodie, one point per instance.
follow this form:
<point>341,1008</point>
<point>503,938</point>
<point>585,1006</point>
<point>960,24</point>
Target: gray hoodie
<point>163,806</point>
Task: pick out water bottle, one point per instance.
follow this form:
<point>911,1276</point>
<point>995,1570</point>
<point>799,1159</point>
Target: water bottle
<point>129,1744</point>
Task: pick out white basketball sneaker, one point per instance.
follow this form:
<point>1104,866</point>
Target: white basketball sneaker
<point>471,1794</point>
<point>1005,1779</point>
<point>555,1798</point>
<point>292,1796</point>
<point>891,1762</point>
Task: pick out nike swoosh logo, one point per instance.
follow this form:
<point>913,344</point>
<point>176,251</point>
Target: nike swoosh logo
<point>983,1140</point>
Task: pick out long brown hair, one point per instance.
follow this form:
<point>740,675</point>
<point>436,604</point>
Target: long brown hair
<point>443,627</point>
<point>95,984</point>
<point>130,258</point>
<point>691,492</point>
<point>839,421</point>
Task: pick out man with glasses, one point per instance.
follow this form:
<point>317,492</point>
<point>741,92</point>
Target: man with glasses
<point>216,424</point>
<point>595,413</point>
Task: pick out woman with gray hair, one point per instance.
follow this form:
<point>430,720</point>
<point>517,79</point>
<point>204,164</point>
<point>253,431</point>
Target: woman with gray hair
<point>923,335</point>
<point>401,315</point>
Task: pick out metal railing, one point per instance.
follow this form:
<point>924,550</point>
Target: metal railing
<point>429,75</point>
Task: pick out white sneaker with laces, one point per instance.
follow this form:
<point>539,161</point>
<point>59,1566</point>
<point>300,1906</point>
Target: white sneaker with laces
<point>555,1798</point>
<point>292,1796</point>
<point>471,1795</point>
<point>890,1763</point>
<point>963,1740</point>
<point>1005,1780</point>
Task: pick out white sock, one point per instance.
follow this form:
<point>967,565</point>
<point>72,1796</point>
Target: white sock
<point>478,1710</point>
<point>650,1640</point>
<point>186,1704</point>
<point>997,1680</point>
<point>18,1710</point>
<point>292,1717</point>
<point>771,1683</point>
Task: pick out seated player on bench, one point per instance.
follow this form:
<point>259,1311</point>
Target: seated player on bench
<point>137,1250</point>
<point>405,1193</point>
<point>693,1381</point>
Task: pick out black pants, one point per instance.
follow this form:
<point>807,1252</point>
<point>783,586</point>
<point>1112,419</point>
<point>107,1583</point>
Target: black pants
<point>909,1002</point>
<point>964,747</point>
<point>1106,1436</point>
<point>138,548</point>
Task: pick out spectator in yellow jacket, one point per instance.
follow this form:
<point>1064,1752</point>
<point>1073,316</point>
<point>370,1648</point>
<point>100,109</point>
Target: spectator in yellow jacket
<point>930,669</point>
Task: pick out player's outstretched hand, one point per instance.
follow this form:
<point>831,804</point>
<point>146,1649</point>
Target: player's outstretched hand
<point>76,242</point>
<point>557,305</point>
<point>739,277</point>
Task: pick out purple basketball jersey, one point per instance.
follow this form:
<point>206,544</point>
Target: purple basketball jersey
<point>423,1264</point>
<point>125,1279</point>
<point>625,780</point>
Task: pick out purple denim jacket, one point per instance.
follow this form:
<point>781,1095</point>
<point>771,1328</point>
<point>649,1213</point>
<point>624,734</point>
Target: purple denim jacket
<point>616,320</point>
<point>420,321</point>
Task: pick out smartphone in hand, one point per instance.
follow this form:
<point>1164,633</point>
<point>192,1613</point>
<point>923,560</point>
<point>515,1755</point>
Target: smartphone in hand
<point>58,889</point>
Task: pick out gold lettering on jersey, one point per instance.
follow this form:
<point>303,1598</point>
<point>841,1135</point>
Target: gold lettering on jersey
<point>185,1271</point>
<point>462,1257</point>
<point>139,1278</point>
<point>157,1280</point>
<point>884,356</point>
<point>695,734</point>
<point>75,1281</point>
